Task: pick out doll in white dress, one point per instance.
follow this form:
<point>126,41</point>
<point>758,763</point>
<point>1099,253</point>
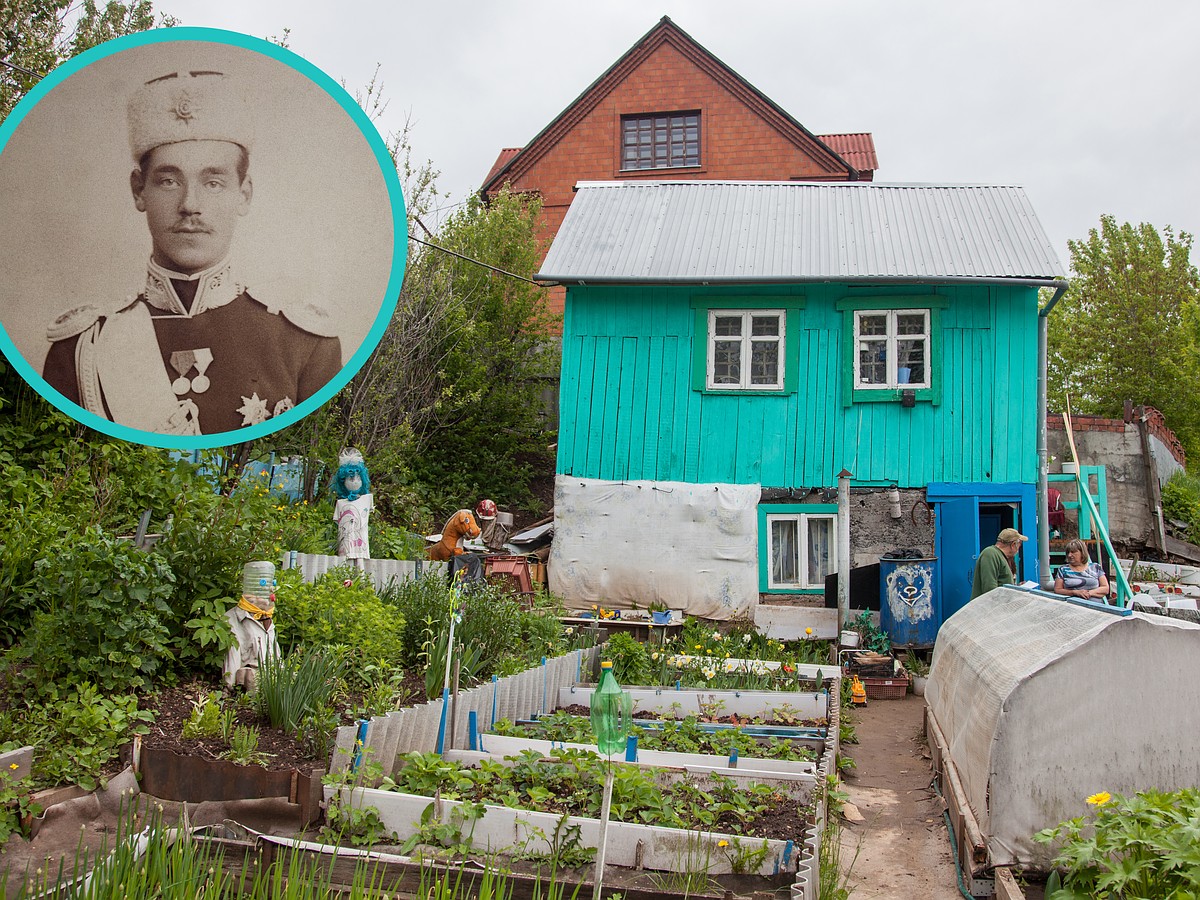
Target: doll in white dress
<point>352,484</point>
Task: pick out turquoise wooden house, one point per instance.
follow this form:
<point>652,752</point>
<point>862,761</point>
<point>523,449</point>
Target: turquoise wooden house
<point>726,343</point>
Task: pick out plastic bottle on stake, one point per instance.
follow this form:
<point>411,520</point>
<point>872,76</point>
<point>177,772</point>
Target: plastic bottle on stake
<point>611,712</point>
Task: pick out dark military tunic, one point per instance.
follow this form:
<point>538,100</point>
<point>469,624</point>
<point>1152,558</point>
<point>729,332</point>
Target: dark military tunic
<point>262,363</point>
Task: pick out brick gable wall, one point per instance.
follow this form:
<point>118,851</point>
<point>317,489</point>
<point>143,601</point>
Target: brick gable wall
<point>736,143</point>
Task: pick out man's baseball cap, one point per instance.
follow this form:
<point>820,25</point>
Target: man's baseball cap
<point>1009,536</point>
<point>192,105</point>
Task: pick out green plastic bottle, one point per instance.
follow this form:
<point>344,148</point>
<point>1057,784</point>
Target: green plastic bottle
<point>611,712</point>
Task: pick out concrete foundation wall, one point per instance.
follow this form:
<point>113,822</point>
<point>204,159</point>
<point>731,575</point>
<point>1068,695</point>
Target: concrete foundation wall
<point>873,532</point>
<point>1117,446</point>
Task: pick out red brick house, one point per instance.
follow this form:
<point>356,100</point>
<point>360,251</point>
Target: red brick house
<point>669,109</point>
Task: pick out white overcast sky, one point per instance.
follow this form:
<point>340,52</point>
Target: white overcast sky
<point>1091,105</point>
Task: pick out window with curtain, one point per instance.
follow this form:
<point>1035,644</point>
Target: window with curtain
<point>745,349</point>
<point>891,349</point>
<point>802,550</point>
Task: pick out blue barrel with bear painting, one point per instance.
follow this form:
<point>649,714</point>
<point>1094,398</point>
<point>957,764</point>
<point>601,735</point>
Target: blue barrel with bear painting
<point>910,610</point>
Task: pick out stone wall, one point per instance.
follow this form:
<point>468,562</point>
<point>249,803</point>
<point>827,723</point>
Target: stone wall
<point>1117,445</point>
<point>873,532</point>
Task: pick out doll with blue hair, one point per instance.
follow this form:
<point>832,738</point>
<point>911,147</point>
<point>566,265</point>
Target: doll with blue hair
<point>352,484</point>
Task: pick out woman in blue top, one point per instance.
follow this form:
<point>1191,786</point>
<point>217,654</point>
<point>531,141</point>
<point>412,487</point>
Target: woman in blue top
<point>1080,577</point>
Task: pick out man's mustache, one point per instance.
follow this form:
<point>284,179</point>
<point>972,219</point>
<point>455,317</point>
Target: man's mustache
<point>190,226</point>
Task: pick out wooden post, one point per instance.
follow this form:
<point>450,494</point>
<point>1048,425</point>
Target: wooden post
<point>843,596</point>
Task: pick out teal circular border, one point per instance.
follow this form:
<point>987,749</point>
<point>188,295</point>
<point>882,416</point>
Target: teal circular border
<point>399,230</point>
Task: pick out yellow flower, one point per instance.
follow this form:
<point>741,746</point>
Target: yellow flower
<point>1099,799</point>
<point>808,631</point>
<point>697,646</point>
<point>13,766</point>
<point>722,843</point>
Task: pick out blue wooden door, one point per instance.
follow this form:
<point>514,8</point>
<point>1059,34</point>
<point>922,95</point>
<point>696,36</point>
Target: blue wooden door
<point>958,548</point>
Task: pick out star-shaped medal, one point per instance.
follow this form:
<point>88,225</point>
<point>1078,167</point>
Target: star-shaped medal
<point>254,410</point>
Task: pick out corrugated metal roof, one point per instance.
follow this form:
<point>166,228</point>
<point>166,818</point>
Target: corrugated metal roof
<point>740,231</point>
<point>858,149</point>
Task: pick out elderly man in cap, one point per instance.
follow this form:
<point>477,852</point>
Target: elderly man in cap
<point>195,351</point>
<point>995,565</point>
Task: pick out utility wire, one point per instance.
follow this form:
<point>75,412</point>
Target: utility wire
<point>478,263</point>
<point>21,69</point>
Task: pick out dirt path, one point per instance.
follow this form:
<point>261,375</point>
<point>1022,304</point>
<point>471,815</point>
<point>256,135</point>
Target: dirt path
<point>904,850</point>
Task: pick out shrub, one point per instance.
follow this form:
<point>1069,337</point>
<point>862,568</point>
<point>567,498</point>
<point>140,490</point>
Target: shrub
<point>631,663</point>
<point>105,605</point>
<point>331,611</point>
<point>210,538</point>
<point>1181,500</point>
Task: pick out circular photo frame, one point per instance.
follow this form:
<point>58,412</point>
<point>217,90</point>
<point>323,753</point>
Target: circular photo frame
<point>204,238</point>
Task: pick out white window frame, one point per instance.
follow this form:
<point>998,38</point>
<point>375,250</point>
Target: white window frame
<point>801,519</point>
<point>746,340</point>
<point>890,340</point>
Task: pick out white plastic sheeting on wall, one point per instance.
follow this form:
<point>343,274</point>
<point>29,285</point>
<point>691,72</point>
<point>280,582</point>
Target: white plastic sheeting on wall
<point>1044,703</point>
<point>693,547</point>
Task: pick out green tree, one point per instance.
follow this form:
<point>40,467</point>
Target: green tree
<point>450,402</point>
<point>1127,328</point>
<point>34,37</point>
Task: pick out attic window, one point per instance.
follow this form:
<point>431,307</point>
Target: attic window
<point>662,141</point>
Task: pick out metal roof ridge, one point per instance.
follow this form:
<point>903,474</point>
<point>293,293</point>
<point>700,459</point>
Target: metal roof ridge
<point>863,185</point>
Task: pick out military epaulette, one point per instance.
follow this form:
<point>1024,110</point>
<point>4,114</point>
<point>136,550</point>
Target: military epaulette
<point>312,318</point>
<point>79,319</point>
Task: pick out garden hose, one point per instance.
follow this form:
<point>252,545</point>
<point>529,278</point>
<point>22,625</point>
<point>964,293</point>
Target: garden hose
<point>962,888</point>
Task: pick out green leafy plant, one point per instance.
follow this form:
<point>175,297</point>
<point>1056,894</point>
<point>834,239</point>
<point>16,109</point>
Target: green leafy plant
<point>873,637</point>
<point>103,621</point>
<point>1142,846</point>
<point>745,856</point>
<point>469,657</point>
<point>453,835</point>
<point>693,865</point>
<point>340,607</point>
<point>243,747</point>
<point>631,662</point>
<point>833,870</point>
<point>17,805</point>
<point>208,719</point>
<point>915,666</point>
<point>77,736</point>
<point>566,846</point>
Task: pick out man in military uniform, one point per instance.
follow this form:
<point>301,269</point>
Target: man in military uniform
<point>195,351</point>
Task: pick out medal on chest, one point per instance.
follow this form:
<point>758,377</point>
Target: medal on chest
<point>183,362</point>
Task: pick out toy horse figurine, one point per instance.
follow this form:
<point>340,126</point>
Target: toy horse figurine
<point>460,526</point>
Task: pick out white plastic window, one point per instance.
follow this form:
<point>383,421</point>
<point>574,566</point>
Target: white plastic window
<point>891,348</point>
<point>745,349</point>
<point>802,550</point>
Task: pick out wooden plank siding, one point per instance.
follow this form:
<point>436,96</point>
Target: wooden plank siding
<point>629,410</point>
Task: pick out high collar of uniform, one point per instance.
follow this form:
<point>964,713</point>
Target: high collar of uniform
<point>216,287</point>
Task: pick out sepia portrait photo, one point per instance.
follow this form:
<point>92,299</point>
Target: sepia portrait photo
<point>198,239</point>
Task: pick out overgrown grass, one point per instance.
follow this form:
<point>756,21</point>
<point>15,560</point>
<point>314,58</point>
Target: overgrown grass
<point>149,860</point>
<point>296,687</point>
